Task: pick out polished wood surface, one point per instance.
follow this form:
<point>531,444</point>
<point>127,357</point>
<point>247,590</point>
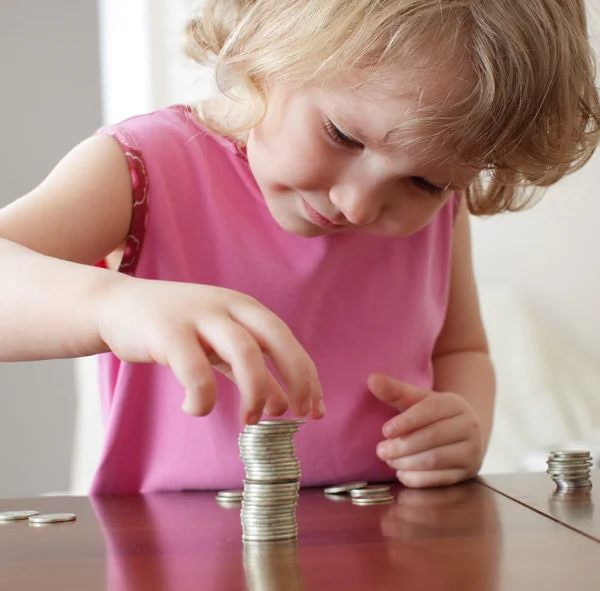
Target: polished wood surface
<point>462,538</point>
<point>538,491</point>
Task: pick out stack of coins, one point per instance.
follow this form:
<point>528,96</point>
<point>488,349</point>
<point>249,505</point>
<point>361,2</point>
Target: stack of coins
<point>570,470</point>
<point>272,481</point>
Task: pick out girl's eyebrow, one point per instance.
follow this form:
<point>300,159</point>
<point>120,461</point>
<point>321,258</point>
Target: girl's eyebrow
<point>354,132</point>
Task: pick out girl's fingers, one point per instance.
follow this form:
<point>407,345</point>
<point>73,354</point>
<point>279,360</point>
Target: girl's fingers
<point>431,436</point>
<point>435,407</point>
<point>238,349</point>
<point>292,362</point>
<point>277,402</point>
<point>188,362</point>
<point>455,455</point>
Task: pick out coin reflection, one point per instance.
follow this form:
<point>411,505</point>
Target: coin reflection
<point>272,566</point>
<point>571,505</point>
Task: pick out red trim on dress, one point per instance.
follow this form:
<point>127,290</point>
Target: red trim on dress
<point>139,187</point>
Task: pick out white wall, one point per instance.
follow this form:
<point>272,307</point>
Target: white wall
<point>50,100</point>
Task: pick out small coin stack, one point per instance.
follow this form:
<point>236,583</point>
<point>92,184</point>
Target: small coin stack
<point>570,470</point>
<point>272,481</point>
<point>361,493</point>
<point>230,498</point>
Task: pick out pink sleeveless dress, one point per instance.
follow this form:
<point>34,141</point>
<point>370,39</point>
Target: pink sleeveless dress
<point>357,303</point>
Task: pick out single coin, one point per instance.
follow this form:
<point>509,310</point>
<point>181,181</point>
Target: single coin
<point>17,515</point>
<point>369,491</point>
<point>52,518</point>
<point>282,422</point>
<point>237,495</point>
<point>342,488</point>
<point>570,454</point>
<point>378,500</point>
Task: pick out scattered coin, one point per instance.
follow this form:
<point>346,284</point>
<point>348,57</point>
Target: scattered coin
<point>375,500</point>
<point>17,515</point>
<point>52,518</point>
<point>343,488</point>
<point>369,491</point>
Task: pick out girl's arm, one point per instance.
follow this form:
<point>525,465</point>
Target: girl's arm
<point>48,240</point>
<point>461,358</point>
<point>54,303</point>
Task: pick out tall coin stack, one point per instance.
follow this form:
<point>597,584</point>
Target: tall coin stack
<point>272,481</point>
<point>570,470</point>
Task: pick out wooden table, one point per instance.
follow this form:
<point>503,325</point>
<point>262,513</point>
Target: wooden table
<point>469,537</point>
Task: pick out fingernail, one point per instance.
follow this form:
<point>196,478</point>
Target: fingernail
<point>381,450</point>
<point>321,407</point>
<point>254,419</point>
<point>387,431</point>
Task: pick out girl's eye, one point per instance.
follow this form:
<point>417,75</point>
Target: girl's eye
<point>428,187</point>
<point>337,136</point>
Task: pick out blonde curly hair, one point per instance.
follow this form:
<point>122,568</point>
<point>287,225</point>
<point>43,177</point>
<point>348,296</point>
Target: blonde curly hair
<point>529,111</point>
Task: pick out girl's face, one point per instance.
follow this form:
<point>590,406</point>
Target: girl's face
<point>321,160</point>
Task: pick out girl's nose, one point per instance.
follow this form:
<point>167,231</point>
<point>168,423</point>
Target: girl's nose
<point>359,205</point>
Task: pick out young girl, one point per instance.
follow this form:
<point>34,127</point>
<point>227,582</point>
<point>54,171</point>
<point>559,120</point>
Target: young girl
<point>306,233</point>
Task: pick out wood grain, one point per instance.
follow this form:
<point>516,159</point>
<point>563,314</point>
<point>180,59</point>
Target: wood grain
<point>463,538</point>
<point>579,511</point>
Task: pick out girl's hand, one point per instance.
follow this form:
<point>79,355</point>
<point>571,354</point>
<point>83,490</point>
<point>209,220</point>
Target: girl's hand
<point>189,328</point>
<point>436,439</point>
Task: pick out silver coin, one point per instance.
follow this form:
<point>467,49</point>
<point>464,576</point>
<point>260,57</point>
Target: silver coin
<point>342,488</point>
<point>282,487</point>
<point>377,500</point>
<point>52,518</point>
<point>271,431</point>
<point>282,422</point>
<point>229,504</point>
<point>569,472</point>
<point>570,454</point>
<point>231,494</point>
<point>369,491</point>
<point>17,515</point>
